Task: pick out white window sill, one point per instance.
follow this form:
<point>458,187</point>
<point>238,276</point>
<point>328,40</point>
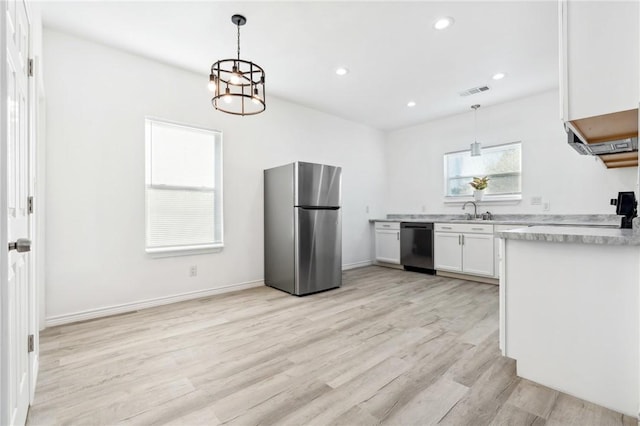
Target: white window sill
<point>184,250</point>
<point>487,199</point>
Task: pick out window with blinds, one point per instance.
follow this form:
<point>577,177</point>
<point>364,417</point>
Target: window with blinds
<point>501,163</point>
<point>183,187</point>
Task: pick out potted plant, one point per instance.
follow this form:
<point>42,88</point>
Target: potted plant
<point>479,184</point>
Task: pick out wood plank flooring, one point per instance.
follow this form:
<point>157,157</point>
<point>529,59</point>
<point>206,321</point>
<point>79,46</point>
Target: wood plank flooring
<point>389,347</point>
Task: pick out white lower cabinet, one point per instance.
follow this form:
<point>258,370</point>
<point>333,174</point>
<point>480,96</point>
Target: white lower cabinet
<point>477,254</point>
<point>448,252</point>
<point>388,242</point>
<point>464,248</point>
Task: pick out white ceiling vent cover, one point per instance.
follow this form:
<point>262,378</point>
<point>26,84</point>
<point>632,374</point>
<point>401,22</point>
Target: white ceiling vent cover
<point>474,90</point>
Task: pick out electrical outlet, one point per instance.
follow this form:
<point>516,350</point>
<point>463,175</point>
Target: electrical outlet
<point>367,209</point>
<point>536,201</point>
<point>193,271</point>
<point>424,209</point>
<point>546,206</point>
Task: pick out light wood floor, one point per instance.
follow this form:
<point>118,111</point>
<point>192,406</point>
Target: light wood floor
<point>389,347</point>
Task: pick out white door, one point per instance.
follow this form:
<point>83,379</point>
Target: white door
<point>448,251</point>
<point>15,302</point>
<point>477,254</point>
<point>388,245</point>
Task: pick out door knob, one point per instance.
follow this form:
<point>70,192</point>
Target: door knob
<point>21,245</point>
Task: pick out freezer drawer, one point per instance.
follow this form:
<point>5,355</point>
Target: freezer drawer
<point>318,254</point>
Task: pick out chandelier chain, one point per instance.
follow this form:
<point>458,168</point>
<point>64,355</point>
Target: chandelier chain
<point>238,26</point>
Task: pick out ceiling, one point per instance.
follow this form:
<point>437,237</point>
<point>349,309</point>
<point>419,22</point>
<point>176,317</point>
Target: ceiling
<point>391,49</point>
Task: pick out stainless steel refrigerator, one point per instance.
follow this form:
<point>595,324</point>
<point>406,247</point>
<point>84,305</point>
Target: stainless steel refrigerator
<point>302,228</point>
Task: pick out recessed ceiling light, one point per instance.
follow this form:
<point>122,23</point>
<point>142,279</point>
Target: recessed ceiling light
<point>499,76</point>
<point>342,71</point>
<point>443,23</point>
<point>411,104</point>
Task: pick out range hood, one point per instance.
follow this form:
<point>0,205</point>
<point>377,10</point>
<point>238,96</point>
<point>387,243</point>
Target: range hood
<point>612,137</point>
<point>609,147</point>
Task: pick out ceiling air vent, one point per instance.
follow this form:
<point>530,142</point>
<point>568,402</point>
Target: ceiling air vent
<point>474,90</point>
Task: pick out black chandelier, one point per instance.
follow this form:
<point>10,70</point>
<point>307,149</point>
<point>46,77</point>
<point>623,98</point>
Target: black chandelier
<point>237,85</point>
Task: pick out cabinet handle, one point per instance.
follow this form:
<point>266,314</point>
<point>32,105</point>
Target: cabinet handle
<point>446,227</point>
<point>386,226</point>
<point>459,239</point>
<point>398,234</point>
<point>462,239</point>
<point>477,229</point>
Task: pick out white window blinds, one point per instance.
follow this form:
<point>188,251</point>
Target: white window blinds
<point>183,187</point>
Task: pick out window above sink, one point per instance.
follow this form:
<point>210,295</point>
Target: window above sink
<point>501,163</point>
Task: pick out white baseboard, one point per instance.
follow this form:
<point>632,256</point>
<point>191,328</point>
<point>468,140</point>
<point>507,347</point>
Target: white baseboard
<point>348,266</point>
<point>134,306</point>
<point>486,280</point>
<point>142,304</point>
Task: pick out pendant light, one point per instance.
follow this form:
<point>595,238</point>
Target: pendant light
<point>237,85</point>
<point>475,146</point>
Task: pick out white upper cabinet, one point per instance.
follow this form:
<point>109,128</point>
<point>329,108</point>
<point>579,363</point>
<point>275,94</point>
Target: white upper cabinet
<point>599,56</point>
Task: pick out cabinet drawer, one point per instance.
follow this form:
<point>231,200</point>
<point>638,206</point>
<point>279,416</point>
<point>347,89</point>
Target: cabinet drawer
<point>388,225</point>
<point>467,228</point>
<point>500,228</point>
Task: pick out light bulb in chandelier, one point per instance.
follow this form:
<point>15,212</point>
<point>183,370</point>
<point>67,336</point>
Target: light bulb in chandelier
<point>236,77</point>
<point>227,96</point>
<point>256,97</point>
<point>212,83</point>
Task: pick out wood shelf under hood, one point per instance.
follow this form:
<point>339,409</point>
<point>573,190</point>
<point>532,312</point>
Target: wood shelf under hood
<point>621,159</point>
<point>610,127</point>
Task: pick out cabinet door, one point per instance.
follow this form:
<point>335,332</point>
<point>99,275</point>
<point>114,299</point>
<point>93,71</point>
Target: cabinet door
<point>448,251</point>
<point>388,246</point>
<point>599,57</point>
<point>477,254</point>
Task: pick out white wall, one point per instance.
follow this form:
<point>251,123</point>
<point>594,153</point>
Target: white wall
<point>573,184</point>
<point>97,98</point>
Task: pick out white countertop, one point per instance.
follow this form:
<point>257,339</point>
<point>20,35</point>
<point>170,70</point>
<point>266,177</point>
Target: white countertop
<point>596,220</point>
<point>574,234</point>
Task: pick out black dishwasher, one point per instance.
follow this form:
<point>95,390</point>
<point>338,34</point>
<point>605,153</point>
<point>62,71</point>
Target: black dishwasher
<point>416,246</point>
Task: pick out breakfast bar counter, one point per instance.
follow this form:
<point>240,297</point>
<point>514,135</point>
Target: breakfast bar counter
<point>575,234</point>
<point>569,310</point>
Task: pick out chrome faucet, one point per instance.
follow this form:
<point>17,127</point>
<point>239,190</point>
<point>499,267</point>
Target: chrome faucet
<point>475,208</point>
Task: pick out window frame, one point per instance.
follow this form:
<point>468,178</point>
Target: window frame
<point>218,190</point>
<point>486,198</point>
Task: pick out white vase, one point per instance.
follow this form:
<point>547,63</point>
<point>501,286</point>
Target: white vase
<point>477,194</point>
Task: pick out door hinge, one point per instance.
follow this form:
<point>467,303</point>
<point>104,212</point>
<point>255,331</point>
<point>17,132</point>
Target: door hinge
<point>30,204</point>
<point>30,67</point>
<point>30,343</point>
